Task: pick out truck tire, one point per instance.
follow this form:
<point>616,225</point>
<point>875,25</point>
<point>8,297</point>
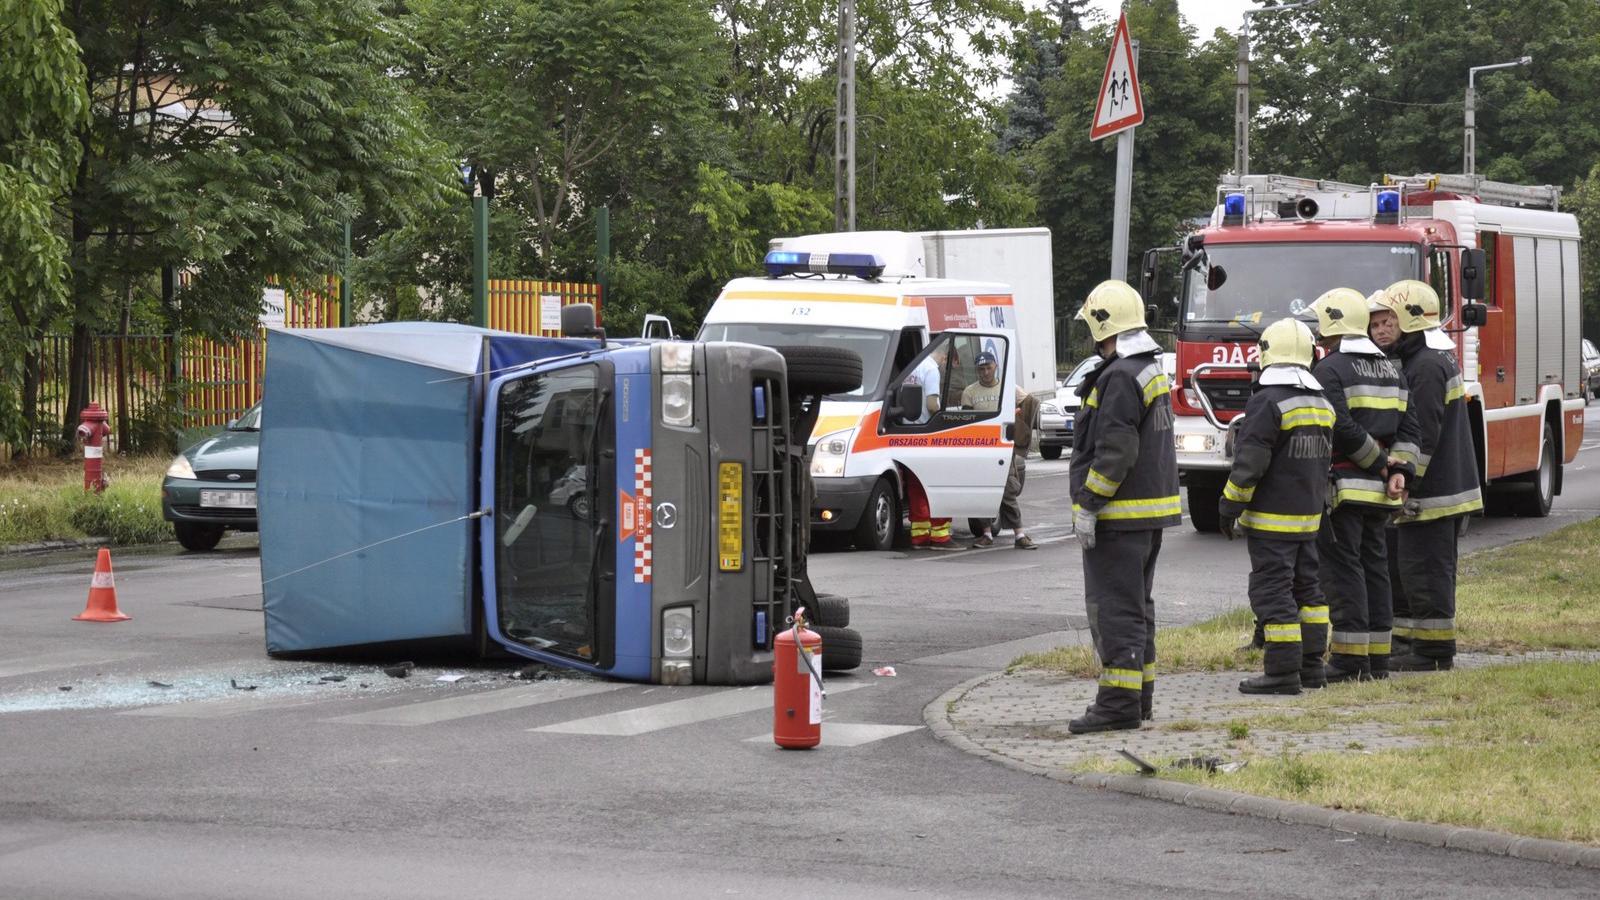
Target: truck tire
<point>1535,499</point>
<point>879,524</point>
<point>821,370</point>
<point>1205,489</point>
<point>1051,452</point>
<point>831,611</point>
<point>198,536</point>
<point>841,648</point>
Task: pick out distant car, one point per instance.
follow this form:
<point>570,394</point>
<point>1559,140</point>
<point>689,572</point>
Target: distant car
<point>571,492</point>
<point>211,486</point>
<point>1056,415</point>
<point>1591,369</point>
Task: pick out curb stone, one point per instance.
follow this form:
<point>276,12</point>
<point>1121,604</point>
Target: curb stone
<point>937,717</point>
<point>53,546</point>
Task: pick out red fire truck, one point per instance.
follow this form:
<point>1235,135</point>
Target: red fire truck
<point>1275,243</point>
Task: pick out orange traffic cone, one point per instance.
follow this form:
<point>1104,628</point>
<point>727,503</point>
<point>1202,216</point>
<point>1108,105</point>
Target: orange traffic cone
<point>102,594</point>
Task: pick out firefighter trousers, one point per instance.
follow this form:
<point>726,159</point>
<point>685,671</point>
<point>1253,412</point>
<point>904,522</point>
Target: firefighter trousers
<point>1118,577</point>
<point>1425,604</point>
<point>1353,563</point>
<point>1287,600</point>
<point>925,530</point>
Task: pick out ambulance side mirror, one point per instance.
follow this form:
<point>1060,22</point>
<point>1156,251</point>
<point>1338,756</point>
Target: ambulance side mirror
<point>907,403</point>
<point>1473,265</point>
<point>1474,314</point>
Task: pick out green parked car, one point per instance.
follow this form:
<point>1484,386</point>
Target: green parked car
<point>211,486</point>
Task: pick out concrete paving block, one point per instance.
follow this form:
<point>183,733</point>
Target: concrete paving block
<point>1589,858</point>
<point>1210,798</point>
<point>1419,833</point>
<point>1260,807</point>
<point>1307,814</point>
<point>1479,841</point>
<point>1361,823</point>
<point>1544,850</point>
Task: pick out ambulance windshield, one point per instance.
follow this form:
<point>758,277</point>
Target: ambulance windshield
<point>1266,282</point>
<point>871,346</point>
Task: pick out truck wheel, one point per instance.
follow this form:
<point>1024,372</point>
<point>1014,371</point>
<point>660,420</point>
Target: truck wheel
<point>1050,452</point>
<point>821,370</point>
<point>841,648</point>
<point>198,536</point>
<point>880,518</point>
<point>831,611</point>
<point>1535,501</point>
<point>1205,489</point>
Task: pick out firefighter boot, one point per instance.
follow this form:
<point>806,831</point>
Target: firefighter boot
<point>1094,720</point>
<point>1415,662</point>
<point>1271,684</point>
<point>1378,666</point>
<point>1347,667</point>
<point>1147,701</point>
<point>1313,674</point>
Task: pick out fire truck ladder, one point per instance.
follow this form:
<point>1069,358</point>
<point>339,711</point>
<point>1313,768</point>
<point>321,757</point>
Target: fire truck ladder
<point>1499,193</point>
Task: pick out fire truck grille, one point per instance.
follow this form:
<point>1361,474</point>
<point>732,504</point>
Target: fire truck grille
<point>1225,394</point>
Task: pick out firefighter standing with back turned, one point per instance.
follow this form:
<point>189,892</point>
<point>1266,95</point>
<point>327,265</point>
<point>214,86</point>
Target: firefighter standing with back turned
<point>1368,395</point>
<point>1124,481</point>
<point>1275,493</point>
<point>1438,444</point>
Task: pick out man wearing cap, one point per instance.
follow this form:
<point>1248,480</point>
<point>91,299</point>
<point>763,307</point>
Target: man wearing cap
<point>1437,442</point>
<point>985,394</point>
<point>1124,482</point>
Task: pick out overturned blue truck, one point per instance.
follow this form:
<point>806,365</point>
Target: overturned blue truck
<point>632,509</point>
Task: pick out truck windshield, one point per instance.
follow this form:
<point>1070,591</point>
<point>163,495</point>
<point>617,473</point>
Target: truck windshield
<point>549,512</point>
<point>1267,282</point>
<point>872,346</point>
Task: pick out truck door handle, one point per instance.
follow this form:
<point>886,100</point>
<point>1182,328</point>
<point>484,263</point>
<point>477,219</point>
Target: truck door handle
<point>1011,433</point>
<point>1500,374</point>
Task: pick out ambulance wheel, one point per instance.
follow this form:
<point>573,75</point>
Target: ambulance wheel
<point>880,518</point>
<point>841,648</point>
<point>198,536</point>
<point>1205,489</point>
<point>821,370</point>
<point>831,611</point>
<point>1050,452</point>
<point>1535,500</point>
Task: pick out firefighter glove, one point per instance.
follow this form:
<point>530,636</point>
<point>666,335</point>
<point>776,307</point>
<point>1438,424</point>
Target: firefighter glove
<point>1083,522</point>
<point>1229,526</point>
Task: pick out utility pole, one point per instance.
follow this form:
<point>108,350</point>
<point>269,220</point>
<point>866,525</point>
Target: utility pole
<point>844,175</point>
<point>1469,138</point>
<point>1241,88</point>
<point>1122,201</point>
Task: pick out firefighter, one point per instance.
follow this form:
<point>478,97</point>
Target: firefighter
<point>1275,494</point>
<point>1124,482</point>
<point>1368,396</point>
<point>1437,443</point>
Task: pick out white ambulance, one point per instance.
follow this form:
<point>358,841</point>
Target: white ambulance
<point>871,293</point>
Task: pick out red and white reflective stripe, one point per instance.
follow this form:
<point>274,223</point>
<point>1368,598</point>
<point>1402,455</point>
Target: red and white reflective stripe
<point>642,518</point>
<point>102,580</point>
<point>93,452</point>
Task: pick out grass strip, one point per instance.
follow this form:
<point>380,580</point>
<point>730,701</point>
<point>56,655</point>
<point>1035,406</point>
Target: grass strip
<point>45,500</point>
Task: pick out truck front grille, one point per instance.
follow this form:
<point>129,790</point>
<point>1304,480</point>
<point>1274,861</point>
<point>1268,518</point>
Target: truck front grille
<point>775,495</point>
<point>1225,394</point>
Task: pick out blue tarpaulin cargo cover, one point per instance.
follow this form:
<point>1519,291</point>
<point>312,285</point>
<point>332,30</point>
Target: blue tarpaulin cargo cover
<point>368,469</point>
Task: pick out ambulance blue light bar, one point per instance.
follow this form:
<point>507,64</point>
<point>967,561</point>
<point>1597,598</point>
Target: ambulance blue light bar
<point>793,262</point>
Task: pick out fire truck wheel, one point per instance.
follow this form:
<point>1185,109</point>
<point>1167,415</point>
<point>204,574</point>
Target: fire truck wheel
<point>1535,500</point>
<point>198,536</point>
<point>880,518</point>
<point>831,611</point>
<point>1205,489</point>
<point>1051,452</point>
<point>821,370</point>
<point>841,648</point>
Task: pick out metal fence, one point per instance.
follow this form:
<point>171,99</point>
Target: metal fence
<point>534,307</point>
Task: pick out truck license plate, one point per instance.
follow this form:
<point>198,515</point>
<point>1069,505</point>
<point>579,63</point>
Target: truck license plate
<point>730,516</point>
<point>229,499</point>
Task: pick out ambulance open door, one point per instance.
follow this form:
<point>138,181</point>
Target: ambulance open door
<point>952,431</point>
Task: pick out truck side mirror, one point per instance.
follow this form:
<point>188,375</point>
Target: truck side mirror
<point>577,320</point>
<point>1216,276</point>
<point>907,403</point>
<point>1474,315</point>
<point>1473,266</point>
<point>1151,314</point>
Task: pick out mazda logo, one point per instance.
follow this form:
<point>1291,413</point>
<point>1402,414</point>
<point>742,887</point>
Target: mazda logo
<point>666,515</point>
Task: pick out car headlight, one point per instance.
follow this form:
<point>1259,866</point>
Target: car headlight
<point>677,632</point>
<point>180,468</point>
<point>1049,409</point>
<point>677,400</point>
<point>828,456</point>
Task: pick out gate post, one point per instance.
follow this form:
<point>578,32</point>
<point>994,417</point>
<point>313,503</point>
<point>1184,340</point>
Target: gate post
<point>480,261</point>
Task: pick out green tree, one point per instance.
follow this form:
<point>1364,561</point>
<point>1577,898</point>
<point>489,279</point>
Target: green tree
<point>43,103</point>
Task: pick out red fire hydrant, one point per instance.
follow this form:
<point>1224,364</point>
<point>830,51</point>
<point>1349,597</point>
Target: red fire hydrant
<point>797,686</point>
<point>92,431</point>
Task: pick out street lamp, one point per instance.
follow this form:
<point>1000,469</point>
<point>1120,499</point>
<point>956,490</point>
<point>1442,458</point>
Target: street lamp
<point>1469,141</point>
<point>1241,105</point>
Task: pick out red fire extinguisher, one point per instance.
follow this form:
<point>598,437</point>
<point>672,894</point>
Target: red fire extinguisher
<point>92,431</point>
<point>797,686</point>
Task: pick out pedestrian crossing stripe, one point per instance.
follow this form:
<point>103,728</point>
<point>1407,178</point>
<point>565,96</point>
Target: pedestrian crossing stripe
<point>705,707</point>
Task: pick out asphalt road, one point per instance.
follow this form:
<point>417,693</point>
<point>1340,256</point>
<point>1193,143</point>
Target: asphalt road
<point>385,788</point>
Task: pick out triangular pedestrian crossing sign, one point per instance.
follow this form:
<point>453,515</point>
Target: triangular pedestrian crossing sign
<point>1120,105</point>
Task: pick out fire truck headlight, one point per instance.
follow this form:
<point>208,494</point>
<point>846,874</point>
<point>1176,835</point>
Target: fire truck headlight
<point>1195,443</point>
<point>180,468</point>
<point>827,459</point>
<point>677,632</point>
<point>677,400</point>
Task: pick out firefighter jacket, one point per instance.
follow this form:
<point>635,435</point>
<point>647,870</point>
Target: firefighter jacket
<point>1436,438</point>
<point>1124,464</point>
<point>1368,394</point>
<point>1280,463</point>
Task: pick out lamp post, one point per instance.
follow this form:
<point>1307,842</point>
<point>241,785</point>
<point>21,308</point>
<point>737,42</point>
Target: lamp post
<point>844,126</point>
<point>1241,104</point>
<point>1469,140</point>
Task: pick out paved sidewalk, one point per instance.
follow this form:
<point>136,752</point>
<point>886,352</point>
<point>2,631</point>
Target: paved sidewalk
<point>1020,720</point>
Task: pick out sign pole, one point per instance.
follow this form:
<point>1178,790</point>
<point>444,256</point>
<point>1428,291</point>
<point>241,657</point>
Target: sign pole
<point>1124,194</point>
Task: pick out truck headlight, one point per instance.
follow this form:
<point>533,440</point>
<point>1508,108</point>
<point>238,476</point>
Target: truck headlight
<point>827,458</point>
<point>677,400</point>
<point>1195,443</point>
<point>677,632</point>
<point>180,468</point>
<point>677,356</point>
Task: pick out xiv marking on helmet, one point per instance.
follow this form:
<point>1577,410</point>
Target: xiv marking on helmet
<point>1415,303</point>
<point>1112,308</point>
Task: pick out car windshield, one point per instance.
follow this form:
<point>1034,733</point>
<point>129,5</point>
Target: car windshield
<point>871,346</point>
<point>1267,282</point>
<point>250,421</point>
<point>1081,371</point>
<point>548,435</point>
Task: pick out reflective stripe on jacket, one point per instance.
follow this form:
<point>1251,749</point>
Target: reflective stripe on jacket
<point>1280,467</point>
<point>1124,464</point>
<point>1369,397</point>
<point>1436,437</point>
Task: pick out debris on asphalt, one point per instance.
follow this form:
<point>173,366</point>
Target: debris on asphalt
<point>1208,763</point>
<point>399,670</point>
<point>159,684</point>
<point>532,672</point>
<point>240,687</point>
<point>64,687</point>
<point>884,671</point>
<point>333,678</point>
<point>450,678</point>
<point>1144,767</point>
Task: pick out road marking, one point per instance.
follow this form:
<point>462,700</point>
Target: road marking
<point>849,734</point>
<point>713,705</point>
<point>428,712</point>
<point>62,659</point>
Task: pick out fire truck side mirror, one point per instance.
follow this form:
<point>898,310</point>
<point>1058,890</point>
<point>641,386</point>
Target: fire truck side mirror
<point>1473,264</point>
<point>1474,315</point>
<point>1152,314</point>
<point>1216,276</point>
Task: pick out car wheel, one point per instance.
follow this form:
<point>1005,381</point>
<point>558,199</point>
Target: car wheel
<point>579,507</point>
<point>1050,452</point>
<point>831,610</point>
<point>198,536</point>
<point>880,518</point>
<point>821,370</point>
<point>841,648</point>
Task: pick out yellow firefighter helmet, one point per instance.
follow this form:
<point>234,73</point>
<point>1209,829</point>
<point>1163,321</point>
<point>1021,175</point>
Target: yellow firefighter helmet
<point>1341,311</point>
<point>1287,342</point>
<point>1415,303</point>
<point>1112,308</point>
